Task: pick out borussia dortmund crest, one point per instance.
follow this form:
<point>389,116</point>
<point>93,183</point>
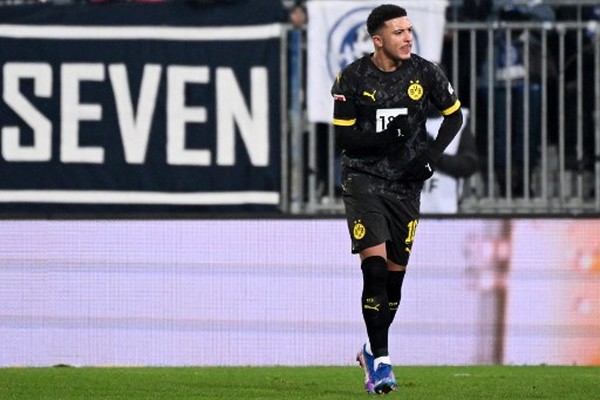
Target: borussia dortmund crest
<point>359,230</point>
<point>415,90</point>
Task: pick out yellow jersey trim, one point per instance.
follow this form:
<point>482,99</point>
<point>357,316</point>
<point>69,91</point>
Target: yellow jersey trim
<point>344,122</point>
<point>450,110</point>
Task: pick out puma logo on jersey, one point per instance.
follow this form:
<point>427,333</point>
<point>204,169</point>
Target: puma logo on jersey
<point>371,95</point>
<point>368,307</point>
<point>428,167</point>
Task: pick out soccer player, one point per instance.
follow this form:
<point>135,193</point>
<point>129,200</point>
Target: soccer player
<point>380,109</point>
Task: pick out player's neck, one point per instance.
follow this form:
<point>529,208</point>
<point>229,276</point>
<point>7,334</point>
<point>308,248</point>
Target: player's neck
<point>383,63</point>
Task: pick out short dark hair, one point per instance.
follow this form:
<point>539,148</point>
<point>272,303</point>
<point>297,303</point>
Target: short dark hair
<point>379,15</point>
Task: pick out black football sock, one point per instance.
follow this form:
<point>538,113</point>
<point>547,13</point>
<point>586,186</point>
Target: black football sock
<point>375,308</point>
<point>394,291</point>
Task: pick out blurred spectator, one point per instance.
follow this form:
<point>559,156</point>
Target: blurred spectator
<point>510,71</point>
<point>469,11</point>
<point>573,97</point>
<point>298,16</point>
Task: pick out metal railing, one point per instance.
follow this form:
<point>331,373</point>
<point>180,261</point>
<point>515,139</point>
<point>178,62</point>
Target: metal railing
<point>533,90</point>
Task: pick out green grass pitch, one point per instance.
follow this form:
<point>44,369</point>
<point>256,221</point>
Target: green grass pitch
<point>451,382</point>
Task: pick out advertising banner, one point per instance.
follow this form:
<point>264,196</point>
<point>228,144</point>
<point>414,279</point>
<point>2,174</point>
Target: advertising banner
<point>116,106</point>
<point>140,293</point>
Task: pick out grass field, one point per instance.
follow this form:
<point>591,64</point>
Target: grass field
<point>473,382</point>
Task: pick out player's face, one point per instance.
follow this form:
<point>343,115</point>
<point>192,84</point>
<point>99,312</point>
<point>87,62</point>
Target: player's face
<point>396,38</point>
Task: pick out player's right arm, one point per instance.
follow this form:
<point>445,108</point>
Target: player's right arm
<point>350,137</point>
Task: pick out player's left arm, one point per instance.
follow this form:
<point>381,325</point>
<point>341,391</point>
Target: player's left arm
<point>451,124</point>
<point>466,160</point>
<point>446,101</point>
<point>444,98</point>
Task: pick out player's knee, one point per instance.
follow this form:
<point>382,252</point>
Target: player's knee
<point>375,271</point>
<point>375,307</point>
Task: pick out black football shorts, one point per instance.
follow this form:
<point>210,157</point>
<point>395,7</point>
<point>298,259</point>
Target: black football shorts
<point>379,211</point>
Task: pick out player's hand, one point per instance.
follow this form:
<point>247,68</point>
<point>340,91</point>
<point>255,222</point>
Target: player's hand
<point>422,166</point>
<point>398,129</point>
<point>373,143</point>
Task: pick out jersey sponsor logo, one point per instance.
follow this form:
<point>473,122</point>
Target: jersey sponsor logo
<point>339,97</point>
<point>415,90</point>
<point>370,95</point>
<point>359,231</point>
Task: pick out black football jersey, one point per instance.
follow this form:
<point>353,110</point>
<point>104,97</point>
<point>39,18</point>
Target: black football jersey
<point>380,96</point>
